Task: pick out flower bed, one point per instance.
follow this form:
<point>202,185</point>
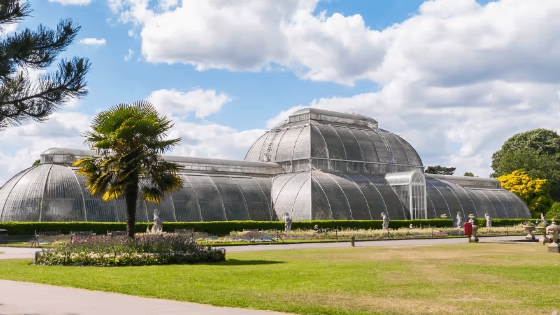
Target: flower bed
<point>359,234</point>
<point>145,249</point>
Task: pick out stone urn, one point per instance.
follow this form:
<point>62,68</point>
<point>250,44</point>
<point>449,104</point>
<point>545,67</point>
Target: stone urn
<point>553,231</point>
<point>474,236</point>
<point>541,228</point>
<point>529,229</point>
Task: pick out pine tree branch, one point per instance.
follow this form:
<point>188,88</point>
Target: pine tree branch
<point>12,11</point>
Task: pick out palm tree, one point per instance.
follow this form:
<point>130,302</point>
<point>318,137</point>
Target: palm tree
<point>129,140</point>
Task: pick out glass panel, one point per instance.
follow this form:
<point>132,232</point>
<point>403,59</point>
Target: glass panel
<point>353,151</point>
<point>302,205</point>
<point>254,153</point>
<point>506,202</point>
<point>334,145</point>
<point>413,157</point>
<point>209,198</point>
<point>337,200</point>
<point>276,138</point>
<point>396,147</point>
<point>368,149</point>
<point>265,183</point>
<point>5,192</point>
<point>302,148</point>
<point>186,202</point>
<point>380,147</point>
<point>24,202</point>
<point>278,183</point>
<point>321,208</point>
<point>318,145</point>
<point>496,202</point>
<point>166,210</point>
<point>285,201</point>
<point>438,201</point>
<point>450,199</point>
<point>520,206</point>
<point>255,199</point>
<point>358,203</point>
<point>286,145</point>
<point>234,201</point>
<point>393,204</point>
<point>483,204</point>
<point>63,199</point>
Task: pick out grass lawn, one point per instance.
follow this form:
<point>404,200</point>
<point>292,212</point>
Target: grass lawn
<point>450,279</point>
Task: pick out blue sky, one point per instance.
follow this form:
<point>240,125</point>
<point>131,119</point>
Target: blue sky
<point>454,77</point>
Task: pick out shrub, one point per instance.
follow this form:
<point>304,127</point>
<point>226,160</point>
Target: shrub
<point>221,228</point>
<point>145,249</point>
<point>553,212</point>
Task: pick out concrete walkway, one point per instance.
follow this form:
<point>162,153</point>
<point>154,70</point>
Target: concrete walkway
<point>18,298</point>
<point>22,253</point>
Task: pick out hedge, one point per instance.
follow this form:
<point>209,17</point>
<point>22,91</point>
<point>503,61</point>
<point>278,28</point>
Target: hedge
<point>225,227</point>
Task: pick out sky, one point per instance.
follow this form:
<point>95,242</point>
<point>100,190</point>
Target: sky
<point>455,78</point>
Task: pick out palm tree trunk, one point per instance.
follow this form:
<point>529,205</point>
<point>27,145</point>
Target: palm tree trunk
<point>131,197</point>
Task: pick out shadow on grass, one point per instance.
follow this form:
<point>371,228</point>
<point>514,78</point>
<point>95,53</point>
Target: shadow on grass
<point>235,262</point>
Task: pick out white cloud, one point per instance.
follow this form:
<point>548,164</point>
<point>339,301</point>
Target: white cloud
<point>445,35</point>
<point>93,41</point>
<point>129,55</point>
<point>7,29</point>
<point>64,130</point>
<point>176,103</point>
<point>72,2</point>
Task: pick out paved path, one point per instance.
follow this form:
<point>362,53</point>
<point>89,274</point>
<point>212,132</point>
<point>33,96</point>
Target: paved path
<point>19,298</point>
<point>21,253</point>
<point>413,242</point>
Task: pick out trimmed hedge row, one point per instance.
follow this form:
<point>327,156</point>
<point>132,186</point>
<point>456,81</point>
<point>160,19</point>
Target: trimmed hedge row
<point>225,227</point>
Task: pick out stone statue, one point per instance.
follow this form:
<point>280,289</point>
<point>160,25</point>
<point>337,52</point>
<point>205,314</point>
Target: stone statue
<point>459,220</point>
<point>385,221</point>
<point>157,228</point>
<point>543,219</point>
<point>287,222</point>
<point>488,220</point>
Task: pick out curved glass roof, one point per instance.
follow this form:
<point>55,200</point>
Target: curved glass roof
<point>445,197</point>
<point>55,192</point>
<point>318,195</point>
<point>316,140</point>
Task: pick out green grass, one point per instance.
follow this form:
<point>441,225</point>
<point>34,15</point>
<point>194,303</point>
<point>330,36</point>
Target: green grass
<point>480,278</point>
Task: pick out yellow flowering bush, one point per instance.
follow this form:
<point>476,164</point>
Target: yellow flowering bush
<point>535,192</point>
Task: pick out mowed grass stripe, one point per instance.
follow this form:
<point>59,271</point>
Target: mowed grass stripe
<point>443,279</point>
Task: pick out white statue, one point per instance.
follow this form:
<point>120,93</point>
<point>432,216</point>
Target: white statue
<point>459,220</point>
<point>385,221</point>
<point>543,219</point>
<point>287,222</point>
<point>488,220</point>
<point>157,228</point>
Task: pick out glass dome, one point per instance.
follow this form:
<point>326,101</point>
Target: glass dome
<point>333,141</point>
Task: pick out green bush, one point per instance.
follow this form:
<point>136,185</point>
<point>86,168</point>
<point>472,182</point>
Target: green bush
<point>553,212</point>
<point>225,227</point>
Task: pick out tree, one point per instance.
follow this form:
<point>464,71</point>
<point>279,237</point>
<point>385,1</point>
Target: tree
<point>440,170</point>
<point>536,152</point>
<point>36,162</point>
<point>535,192</point>
<point>129,140</point>
<point>22,97</point>
<point>469,174</point>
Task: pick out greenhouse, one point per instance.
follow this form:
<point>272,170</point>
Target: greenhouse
<point>317,165</point>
